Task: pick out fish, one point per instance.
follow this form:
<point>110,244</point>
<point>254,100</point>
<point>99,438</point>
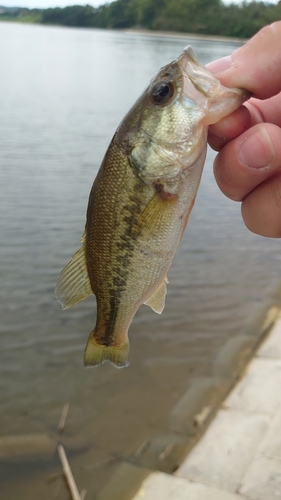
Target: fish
<point>141,200</point>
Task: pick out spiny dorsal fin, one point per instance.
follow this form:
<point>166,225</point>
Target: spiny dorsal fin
<point>73,284</point>
<point>157,300</point>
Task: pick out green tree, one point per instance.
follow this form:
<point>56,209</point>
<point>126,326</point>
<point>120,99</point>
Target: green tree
<point>194,16</point>
<point>76,15</point>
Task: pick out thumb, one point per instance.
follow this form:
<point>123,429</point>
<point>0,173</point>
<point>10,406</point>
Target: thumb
<point>255,66</point>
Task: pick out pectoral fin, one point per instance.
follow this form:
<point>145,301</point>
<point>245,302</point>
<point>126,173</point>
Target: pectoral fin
<point>158,213</point>
<point>73,284</point>
<point>157,300</point>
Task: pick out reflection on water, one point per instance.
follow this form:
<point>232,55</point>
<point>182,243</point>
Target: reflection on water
<point>62,93</point>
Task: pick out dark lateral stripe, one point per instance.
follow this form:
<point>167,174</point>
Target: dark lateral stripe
<point>125,249</point>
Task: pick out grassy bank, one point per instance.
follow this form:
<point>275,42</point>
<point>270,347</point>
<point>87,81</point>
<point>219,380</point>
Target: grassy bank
<point>25,17</point>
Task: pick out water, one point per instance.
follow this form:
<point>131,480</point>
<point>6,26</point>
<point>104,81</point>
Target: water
<point>62,94</point>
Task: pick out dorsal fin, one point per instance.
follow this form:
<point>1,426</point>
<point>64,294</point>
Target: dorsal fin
<point>73,284</point>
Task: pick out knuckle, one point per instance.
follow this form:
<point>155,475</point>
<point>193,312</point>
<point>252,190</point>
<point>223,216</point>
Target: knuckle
<point>223,172</point>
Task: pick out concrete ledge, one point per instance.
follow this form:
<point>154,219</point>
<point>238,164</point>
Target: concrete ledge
<point>259,389</point>
<point>271,347</point>
<point>188,419</point>
<point>264,314</point>
<point>233,355</point>
<point>124,483</point>
<point>262,480</point>
<point>261,319</point>
<point>225,451</point>
<point>196,406</point>
<point>241,449</point>
<point>164,453</point>
<point>159,486</point>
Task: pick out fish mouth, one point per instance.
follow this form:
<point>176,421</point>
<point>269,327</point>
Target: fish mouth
<point>198,81</point>
<point>200,85</point>
<point>201,78</point>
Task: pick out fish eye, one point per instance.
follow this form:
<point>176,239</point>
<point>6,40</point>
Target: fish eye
<point>161,92</point>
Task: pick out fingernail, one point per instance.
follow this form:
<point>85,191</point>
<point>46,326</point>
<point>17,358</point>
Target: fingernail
<point>257,150</point>
<point>220,64</point>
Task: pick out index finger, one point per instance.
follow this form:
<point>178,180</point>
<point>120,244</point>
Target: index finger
<point>252,112</point>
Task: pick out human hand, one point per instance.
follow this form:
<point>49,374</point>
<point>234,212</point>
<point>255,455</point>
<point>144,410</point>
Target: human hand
<point>248,166</point>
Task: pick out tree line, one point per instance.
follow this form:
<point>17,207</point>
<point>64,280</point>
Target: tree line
<point>210,17</point>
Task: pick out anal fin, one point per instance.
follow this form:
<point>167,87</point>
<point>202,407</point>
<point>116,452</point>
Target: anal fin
<point>157,300</point>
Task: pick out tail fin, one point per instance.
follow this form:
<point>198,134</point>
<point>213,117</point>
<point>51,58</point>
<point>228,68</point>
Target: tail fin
<point>96,354</point>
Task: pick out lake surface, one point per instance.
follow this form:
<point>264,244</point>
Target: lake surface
<point>62,94</point>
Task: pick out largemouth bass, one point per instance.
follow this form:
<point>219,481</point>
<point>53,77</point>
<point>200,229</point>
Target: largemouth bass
<point>141,200</point>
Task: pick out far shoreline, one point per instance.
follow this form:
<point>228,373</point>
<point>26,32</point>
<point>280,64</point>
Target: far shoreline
<point>140,31</point>
<point>181,34</point>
